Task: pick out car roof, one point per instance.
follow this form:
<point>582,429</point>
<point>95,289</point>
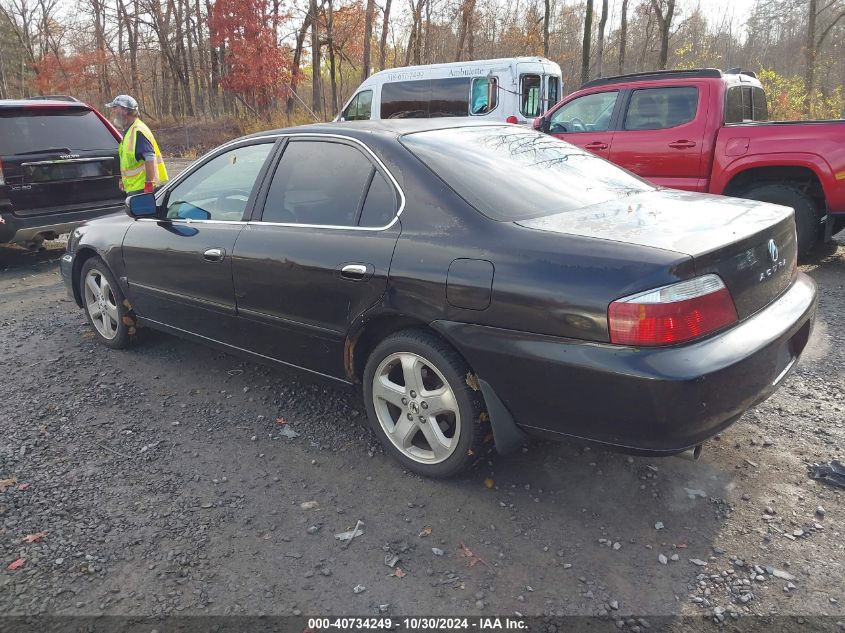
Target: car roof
<point>40,103</point>
<point>390,128</point>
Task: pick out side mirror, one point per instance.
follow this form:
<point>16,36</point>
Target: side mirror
<point>141,205</point>
<point>541,124</point>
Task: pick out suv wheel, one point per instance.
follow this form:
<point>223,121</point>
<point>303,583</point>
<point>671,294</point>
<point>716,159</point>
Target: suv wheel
<point>420,405</point>
<point>103,303</point>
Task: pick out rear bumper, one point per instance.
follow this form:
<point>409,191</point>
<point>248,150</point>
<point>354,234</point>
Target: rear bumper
<point>659,400</point>
<point>20,230</point>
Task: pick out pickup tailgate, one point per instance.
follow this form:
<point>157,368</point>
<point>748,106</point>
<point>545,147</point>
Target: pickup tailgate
<point>57,158</point>
<point>750,245</point>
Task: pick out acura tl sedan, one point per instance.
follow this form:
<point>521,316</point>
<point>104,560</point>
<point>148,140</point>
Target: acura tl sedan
<point>481,283</point>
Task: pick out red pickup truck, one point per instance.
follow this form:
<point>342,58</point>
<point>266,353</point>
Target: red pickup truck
<point>708,131</point>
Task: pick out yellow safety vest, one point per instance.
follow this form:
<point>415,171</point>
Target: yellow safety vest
<point>132,170</point>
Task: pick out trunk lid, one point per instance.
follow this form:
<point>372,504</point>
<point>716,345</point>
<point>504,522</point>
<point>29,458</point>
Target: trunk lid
<point>57,157</point>
<point>751,245</point>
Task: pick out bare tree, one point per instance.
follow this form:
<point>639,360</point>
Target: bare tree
<point>623,36</point>
<point>585,45</point>
<point>547,11</point>
<point>600,42</point>
<point>316,93</point>
<point>812,48</point>
<point>384,28</point>
<point>368,38</point>
<point>664,19</point>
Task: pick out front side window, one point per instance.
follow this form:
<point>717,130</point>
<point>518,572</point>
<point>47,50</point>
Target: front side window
<point>219,189</point>
<point>359,108</point>
<point>319,183</point>
<point>661,108</point>
<point>530,97</point>
<point>590,113</point>
<point>510,173</point>
<point>485,95</point>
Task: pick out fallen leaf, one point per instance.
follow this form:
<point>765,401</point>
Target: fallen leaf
<point>488,483</point>
<point>7,483</point>
<point>281,421</point>
<point>425,532</point>
<point>34,538</point>
<point>17,564</point>
<point>472,559</point>
<point>23,487</point>
<point>88,334</point>
<point>398,573</point>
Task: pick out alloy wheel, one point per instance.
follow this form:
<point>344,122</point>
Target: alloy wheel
<point>416,407</point>
<point>100,303</point>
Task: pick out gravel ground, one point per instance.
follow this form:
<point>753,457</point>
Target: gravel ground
<point>162,480</point>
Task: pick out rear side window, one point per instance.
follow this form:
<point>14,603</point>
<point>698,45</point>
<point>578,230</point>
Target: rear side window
<point>425,99</point>
<point>746,103</point>
<point>37,129</point>
<point>510,173</point>
<point>319,183</point>
<point>530,95</point>
<point>380,204</point>
<point>661,108</point>
<point>449,97</point>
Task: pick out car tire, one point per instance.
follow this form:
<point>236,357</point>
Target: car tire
<point>436,430</point>
<point>104,304</point>
<point>807,215</point>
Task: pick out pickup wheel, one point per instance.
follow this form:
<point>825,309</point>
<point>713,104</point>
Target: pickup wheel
<point>807,214</point>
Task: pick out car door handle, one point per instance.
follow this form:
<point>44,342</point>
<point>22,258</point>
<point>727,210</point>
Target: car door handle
<point>214,255</point>
<point>596,145</point>
<point>355,272</point>
<point>682,144</point>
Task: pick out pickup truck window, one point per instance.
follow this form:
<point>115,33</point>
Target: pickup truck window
<point>746,103</point>
<point>590,113</point>
<point>661,108</point>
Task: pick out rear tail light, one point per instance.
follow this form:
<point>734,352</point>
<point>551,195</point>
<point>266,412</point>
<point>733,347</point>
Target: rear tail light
<point>512,119</point>
<point>2,178</point>
<point>672,314</point>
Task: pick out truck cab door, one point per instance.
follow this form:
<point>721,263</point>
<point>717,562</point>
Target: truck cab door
<point>586,121</point>
<point>661,135</point>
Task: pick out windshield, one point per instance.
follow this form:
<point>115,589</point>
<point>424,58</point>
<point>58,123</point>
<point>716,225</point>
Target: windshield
<point>510,173</point>
<point>34,129</point>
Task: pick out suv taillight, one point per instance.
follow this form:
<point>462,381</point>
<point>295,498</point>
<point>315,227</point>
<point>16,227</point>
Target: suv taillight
<point>672,314</point>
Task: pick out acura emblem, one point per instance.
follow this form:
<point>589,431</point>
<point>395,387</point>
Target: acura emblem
<point>773,250</point>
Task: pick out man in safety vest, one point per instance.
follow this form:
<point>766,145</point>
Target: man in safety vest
<point>141,165</point>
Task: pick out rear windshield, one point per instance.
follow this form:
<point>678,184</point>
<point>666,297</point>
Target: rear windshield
<point>37,129</point>
<point>511,173</point>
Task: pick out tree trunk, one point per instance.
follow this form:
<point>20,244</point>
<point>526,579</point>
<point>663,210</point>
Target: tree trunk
<point>316,94</point>
<point>297,58</point>
<point>585,44</point>
<point>547,12</point>
<point>665,23</point>
<point>368,37</point>
<point>810,58</point>
<point>599,72</point>
<point>383,43</point>
<point>330,44</point>
<point>623,37</point>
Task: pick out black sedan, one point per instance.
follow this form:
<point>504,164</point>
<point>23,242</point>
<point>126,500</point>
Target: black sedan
<point>480,282</point>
